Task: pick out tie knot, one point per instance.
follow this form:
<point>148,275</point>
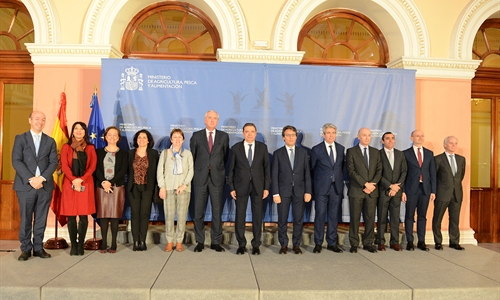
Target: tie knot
<point>249,145</point>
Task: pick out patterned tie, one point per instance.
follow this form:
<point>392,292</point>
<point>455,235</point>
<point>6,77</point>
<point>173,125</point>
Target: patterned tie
<point>452,163</point>
<point>366,158</point>
<point>210,142</point>
<point>250,154</point>
<point>332,159</point>
<point>37,146</point>
<point>292,157</point>
<point>420,162</point>
<point>391,159</point>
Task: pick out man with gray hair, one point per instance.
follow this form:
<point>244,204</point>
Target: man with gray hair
<point>327,163</point>
<point>450,171</point>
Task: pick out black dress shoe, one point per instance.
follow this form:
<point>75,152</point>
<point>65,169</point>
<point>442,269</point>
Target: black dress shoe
<point>283,250</point>
<point>410,246</point>
<point>457,247</point>
<point>422,246</point>
<point>24,256</point>
<point>370,249</point>
<point>199,247</point>
<point>354,249</point>
<point>217,247</point>
<point>317,249</point>
<point>296,250</point>
<point>143,246</point>
<point>438,247</point>
<point>41,254</point>
<point>335,249</point>
<point>241,250</point>
<point>255,251</point>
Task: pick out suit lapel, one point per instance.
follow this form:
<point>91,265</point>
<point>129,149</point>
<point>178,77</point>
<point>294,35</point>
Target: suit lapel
<point>31,142</point>
<point>360,154</point>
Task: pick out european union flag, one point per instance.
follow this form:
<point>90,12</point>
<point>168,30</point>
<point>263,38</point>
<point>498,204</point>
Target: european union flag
<point>96,125</point>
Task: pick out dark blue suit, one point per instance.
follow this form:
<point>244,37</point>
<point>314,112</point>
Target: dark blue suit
<point>33,204</point>
<point>291,185</point>
<point>328,191</point>
<point>418,193</point>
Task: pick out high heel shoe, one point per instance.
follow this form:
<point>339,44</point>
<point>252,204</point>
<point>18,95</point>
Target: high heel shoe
<point>143,246</point>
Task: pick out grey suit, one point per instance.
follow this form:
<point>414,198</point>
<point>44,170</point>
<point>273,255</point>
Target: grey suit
<point>209,179</point>
<point>387,203</point>
<point>33,204</point>
<point>360,174</point>
<point>449,196</point>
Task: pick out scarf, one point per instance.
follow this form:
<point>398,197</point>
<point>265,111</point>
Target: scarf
<point>77,146</point>
<point>177,161</point>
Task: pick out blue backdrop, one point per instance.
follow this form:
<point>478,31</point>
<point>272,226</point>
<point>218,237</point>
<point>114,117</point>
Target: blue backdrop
<point>162,95</point>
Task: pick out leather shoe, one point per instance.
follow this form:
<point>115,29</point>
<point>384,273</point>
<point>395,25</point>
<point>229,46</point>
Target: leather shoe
<point>255,251</point>
<point>199,247</point>
<point>354,249</point>
<point>24,256</point>
<point>410,246</point>
<point>296,250</point>
<point>438,247</point>
<point>241,250</point>
<point>335,249</point>
<point>217,247</point>
<point>179,247</point>
<point>396,247</point>
<point>422,246</point>
<point>381,247</point>
<point>457,247</point>
<point>317,248</point>
<point>41,254</point>
<point>142,246</point>
<point>136,246</point>
<point>283,250</point>
<point>370,249</point>
<point>169,247</point>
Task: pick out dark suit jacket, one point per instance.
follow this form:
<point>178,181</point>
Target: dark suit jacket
<point>204,160</point>
<point>121,167</point>
<point>360,174</point>
<point>391,176</point>
<point>25,161</point>
<point>240,171</point>
<point>447,184</point>
<point>283,176</point>
<point>428,171</point>
<point>151,173</point>
<point>324,171</point>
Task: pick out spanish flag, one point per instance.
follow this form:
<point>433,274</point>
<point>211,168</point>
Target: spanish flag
<point>61,136</point>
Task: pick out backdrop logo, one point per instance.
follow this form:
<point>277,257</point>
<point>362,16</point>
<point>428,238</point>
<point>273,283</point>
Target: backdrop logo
<point>132,80</point>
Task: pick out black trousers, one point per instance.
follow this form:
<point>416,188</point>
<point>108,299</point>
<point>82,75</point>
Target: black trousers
<point>140,205</point>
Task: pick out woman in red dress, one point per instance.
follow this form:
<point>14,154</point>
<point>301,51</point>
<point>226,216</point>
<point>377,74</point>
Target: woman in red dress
<point>78,162</point>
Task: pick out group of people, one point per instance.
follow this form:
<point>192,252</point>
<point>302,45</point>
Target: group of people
<point>94,181</point>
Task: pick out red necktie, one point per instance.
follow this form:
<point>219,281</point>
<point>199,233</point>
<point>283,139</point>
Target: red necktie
<point>210,142</point>
<point>420,162</point>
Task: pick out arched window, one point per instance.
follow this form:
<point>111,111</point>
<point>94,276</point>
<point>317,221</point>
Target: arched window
<point>16,27</point>
<point>171,30</point>
<point>487,44</point>
<point>343,37</point>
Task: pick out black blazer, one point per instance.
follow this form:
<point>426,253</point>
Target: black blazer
<point>447,184</point>
<point>121,167</point>
<point>428,172</point>
<point>391,176</point>
<point>360,174</point>
<point>151,173</point>
<point>286,181</point>
<point>25,161</point>
<point>240,172</point>
<point>204,160</point>
<point>324,171</point>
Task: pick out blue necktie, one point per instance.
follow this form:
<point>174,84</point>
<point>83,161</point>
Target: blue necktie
<point>366,158</point>
<point>250,154</point>
<point>332,160</point>
<point>292,157</point>
<point>37,146</point>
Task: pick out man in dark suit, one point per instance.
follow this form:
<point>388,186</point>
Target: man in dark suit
<point>291,183</point>
<point>419,188</point>
<point>365,170</point>
<point>450,170</point>
<point>210,149</point>
<point>249,176</point>
<point>391,189</point>
<point>34,157</point>
<point>327,163</point>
